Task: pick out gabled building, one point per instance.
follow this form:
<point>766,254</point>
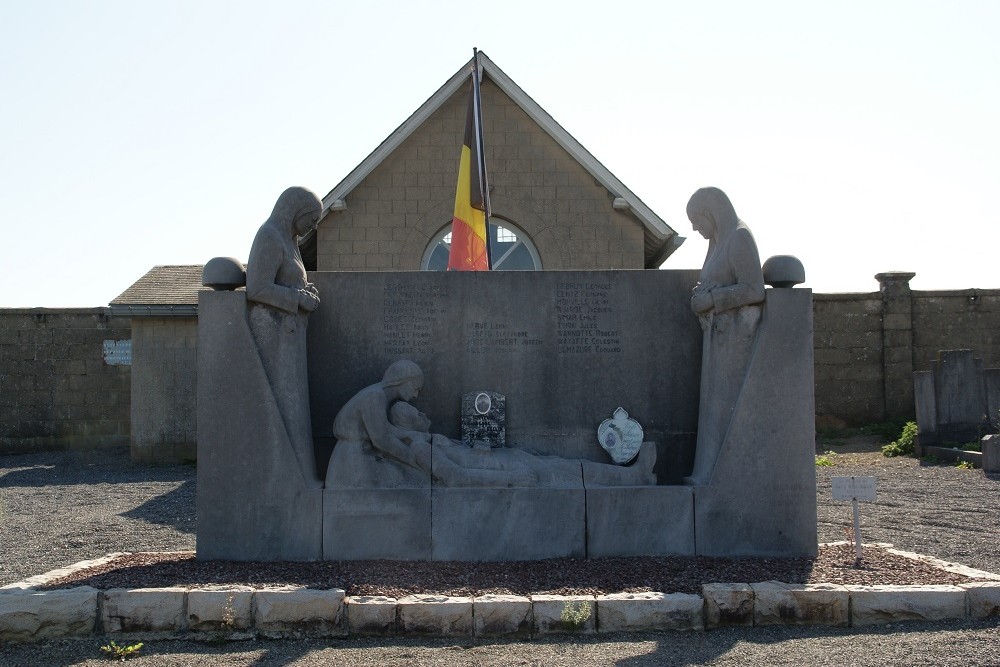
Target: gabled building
<point>555,207</point>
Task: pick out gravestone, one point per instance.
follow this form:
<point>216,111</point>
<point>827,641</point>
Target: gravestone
<point>484,419</point>
<point>956,402</point>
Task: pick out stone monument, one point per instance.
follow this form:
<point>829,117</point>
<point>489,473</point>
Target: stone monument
<point>723,465</point>
<point>259,496</point>
<point>754,473</point>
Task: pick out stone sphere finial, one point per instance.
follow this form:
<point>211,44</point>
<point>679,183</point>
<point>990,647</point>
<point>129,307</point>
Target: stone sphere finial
<point>784,271</point>
<point>224,273</point>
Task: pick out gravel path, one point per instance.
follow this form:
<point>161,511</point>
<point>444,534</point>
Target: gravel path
<point>57,508</point>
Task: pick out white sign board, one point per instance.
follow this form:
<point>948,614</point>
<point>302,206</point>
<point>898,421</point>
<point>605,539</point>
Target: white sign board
<point>853,488</point>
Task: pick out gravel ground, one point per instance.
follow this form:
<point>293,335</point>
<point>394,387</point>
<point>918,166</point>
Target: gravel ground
<point>57,508</point>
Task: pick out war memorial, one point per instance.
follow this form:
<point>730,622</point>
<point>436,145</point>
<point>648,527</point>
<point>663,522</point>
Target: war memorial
<point>331,407</point>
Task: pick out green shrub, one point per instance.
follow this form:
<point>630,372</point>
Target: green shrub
<point>574,615</point>
<point>121,653</point>
<point>825,459</point>
<point>902,446</point>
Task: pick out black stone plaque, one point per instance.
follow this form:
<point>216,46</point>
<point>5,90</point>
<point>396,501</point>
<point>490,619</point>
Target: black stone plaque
<point>484,419</point>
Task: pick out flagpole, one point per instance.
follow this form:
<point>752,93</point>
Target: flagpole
<point>480,151</point>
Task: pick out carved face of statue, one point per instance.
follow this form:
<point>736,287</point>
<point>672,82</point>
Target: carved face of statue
<point>406,416</point>
<point>305,222</point>
<point>703,224</point>
<point>409,389</point>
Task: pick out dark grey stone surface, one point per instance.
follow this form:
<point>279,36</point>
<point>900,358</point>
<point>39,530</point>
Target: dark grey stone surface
<point>991,454</point>
<point>783,271</point>
<point>564,347</point>
<point>224,273</point>
<point>280,300</point>
<point>761,500</point>
<point>727,302</point>
<point>253,502</point>
<point>364,524</point>
<point>640,521</point>
<point>484,419</point>
<point>956,402</point>
<point>926,409</point>
<point>960,396</point>
<point>508,524</point>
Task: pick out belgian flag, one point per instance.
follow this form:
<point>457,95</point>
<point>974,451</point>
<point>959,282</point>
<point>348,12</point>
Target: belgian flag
<point>470,249</point>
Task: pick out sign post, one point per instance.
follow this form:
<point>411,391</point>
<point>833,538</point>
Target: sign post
<point>854,489</point>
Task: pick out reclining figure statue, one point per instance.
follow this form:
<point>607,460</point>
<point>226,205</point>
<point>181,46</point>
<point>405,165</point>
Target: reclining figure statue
<point>385,442</point>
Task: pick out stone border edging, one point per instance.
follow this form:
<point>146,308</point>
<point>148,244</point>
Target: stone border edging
<point>27,614</point>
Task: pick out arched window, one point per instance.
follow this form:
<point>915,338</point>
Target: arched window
<point>510,248</point>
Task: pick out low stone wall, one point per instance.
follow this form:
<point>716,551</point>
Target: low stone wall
<point>28,615</point>
<point>57,388</point>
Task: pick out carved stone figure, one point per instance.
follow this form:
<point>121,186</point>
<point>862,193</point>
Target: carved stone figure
<point>279,300</point>
<point>727,301</point>
<point>384,441</point>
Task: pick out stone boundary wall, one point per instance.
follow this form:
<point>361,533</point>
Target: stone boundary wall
<point>27,614</point>
<point>164,389</point>
<point>56,389</point>
<point>868,345</point>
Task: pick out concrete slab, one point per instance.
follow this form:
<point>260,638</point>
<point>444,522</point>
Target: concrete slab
<point>563,614</point>
<point>221,611</point>
<point>371,615</point>
<point>501,615</point>
<point>640,521</point>
<point>508,524</point>
<point>777,603</point>
<point>437,615</point>
<point>640,612</point>
<point>991,453</point>
<point>877,605</point>
<point>727,605</point>
<point>301,612</point>
<point>146,610</point>
<point>27,615</point>
<point>761,500</point>
<point>364,524</point>
<point>982,599</point>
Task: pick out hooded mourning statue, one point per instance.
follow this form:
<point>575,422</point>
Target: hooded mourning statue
<point>280,299</point>
<point>728,301</point>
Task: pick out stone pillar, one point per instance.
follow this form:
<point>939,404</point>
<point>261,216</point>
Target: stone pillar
<point>897,344</point>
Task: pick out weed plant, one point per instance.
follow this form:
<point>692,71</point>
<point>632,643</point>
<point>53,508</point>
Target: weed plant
<point>903,445</point>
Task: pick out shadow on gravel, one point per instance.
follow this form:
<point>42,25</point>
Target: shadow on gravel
<point>85,467</point>
<point>174,508</point>
<point>700,648</point>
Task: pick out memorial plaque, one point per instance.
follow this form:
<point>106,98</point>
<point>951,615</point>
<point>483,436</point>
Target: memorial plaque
<point>484,419</point>
<point>620,436</point>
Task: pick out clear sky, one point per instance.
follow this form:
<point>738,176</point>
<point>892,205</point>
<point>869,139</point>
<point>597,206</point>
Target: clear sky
<point>860,136</point>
